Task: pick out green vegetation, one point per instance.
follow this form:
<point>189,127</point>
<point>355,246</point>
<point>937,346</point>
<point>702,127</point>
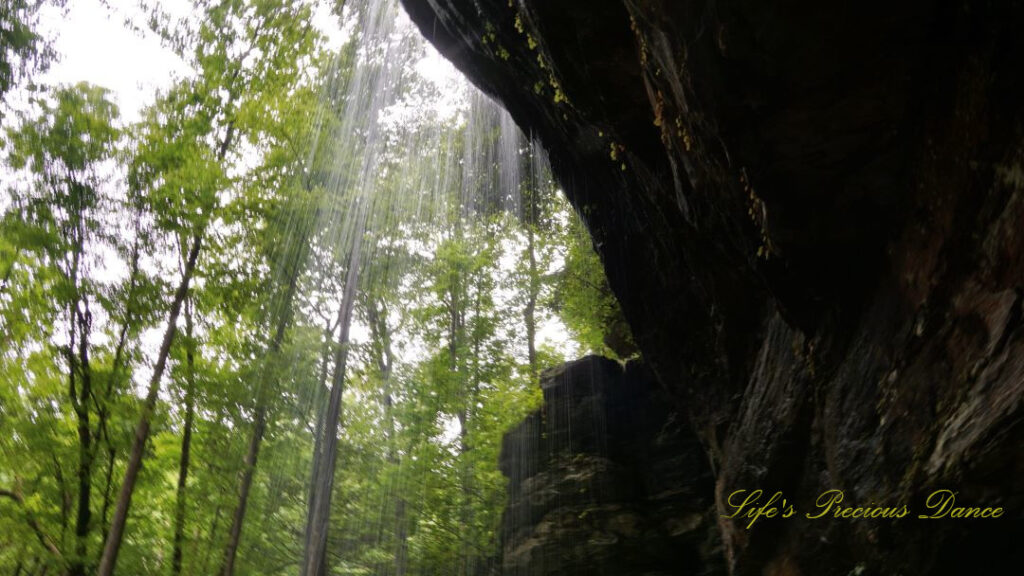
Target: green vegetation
<point>22,50</point>
<point>218,356</point>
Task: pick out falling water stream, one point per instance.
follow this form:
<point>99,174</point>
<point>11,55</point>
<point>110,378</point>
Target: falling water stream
<point>361,319</point>
<point>394,120</point>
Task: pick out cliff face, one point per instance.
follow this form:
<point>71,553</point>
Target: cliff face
<point>812,217</point>
<point>606,480</point>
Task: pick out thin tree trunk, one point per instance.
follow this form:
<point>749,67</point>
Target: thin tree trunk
<point>318,430</point>
<point>186,445</point>
<point>381,334</point>
<point>80,391</point>
<point>124,499</point>
<point>112,545</point>
<point>531,303</point>
<point>326,444</point>
<point>314,560</point>
<point>402,536</point>
<point>209,540</point>
<point>65,498</point>
<point>114,383</point>
<point>83,515</point>
<point>284,316</point>
<point>107,486</point>
<point>251,458</point>
<point>470,558</point>
<point>458,295</point>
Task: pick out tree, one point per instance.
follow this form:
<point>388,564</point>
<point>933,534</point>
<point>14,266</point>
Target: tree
<point>22,50</point>
<point>246,54</point>
<point>585,301</point>
<point>307,291</point>
<point>540,219</point>
<point>186,442</point>
<point>66,149</point>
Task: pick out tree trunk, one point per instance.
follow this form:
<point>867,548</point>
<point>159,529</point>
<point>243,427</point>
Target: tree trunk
<point>80,383</point>
<point>209,540</point>
<point>402,537</point>
<point>315,556</point>
<point>531,302</point>
<point>318,430</point>
<point>470,555</point>
<point>83,515</point>
<point>251,457</point>
<point>124,499</point>
<point>284,316</point>
<point>131,474</point>
<point>381,334</point>
<point>65,498</point>
<point>107,487</point>
<point>186,445</point>
<point>114,383</point>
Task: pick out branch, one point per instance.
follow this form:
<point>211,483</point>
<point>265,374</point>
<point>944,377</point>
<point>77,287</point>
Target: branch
<point>32,522</point>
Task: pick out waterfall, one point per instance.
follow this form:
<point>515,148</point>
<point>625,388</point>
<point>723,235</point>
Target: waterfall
<point>411,142</point>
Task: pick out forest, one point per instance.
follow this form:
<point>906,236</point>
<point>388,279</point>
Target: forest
<point>280,322</point>
<point>510,287</point>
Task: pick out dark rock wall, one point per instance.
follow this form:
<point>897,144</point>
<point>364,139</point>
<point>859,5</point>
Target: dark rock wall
<point>812,214</point>
<point>607,479</point>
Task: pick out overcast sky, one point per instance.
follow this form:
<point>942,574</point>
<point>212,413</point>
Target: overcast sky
<point>94,45</point>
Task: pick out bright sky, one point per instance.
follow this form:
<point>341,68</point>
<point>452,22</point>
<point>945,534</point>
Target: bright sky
<point>95,46</point>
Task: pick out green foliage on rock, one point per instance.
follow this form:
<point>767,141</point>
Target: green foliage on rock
<point>586,302</point>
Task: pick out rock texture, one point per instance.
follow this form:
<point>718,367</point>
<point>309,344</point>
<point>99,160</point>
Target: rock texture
<point>606,479</point>
<point>812,215</point>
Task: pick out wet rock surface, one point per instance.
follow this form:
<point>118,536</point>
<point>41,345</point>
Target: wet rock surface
<point>812,216</point>
<point>607,479</point>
